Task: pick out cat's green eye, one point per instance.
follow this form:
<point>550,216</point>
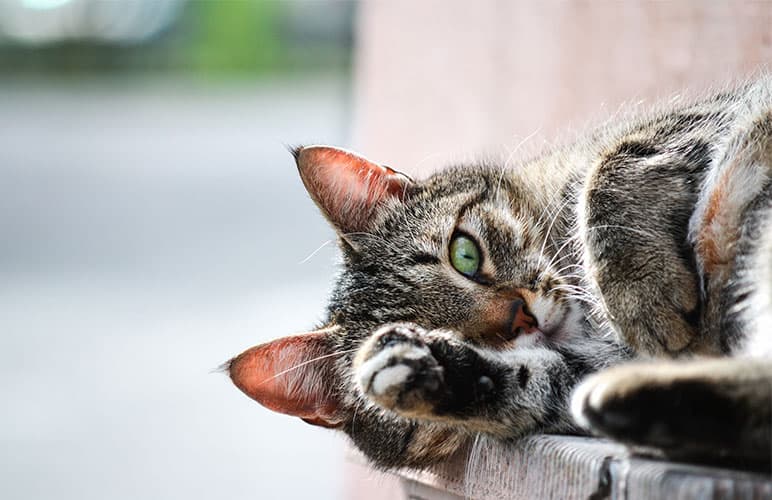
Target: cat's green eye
<point>464,255</point>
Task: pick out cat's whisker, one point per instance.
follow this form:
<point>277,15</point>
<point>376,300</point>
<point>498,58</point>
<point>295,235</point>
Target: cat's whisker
<point>558,259</point>
<point>311,255</point>
<point>307,362</point>
<point>357,406</point>
<point>570,270</point>
<point>579,294</point>
<point>569,266</point>
<point>567,286</point>
<point>573,276</point>
<point>626,228</point>
<point>591,303</point>
<point>505,167</point>
<point>568,280</point>
<point>427,158</point>
<point>576,288</point>
<point>385,242</point>
<point>549,212</point>
<point>549,228</point>
<point>546,212</point>
<point>557,254</point>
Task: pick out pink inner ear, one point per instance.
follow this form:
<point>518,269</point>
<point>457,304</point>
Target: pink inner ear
<point>346,186</point>
<point>293,375</point>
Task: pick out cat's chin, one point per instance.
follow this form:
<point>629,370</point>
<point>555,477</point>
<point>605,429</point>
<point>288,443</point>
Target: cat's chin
<point>545,334</point>
<point>533,339</point>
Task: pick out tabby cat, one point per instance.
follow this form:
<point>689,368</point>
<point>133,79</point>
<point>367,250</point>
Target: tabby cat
<point>480,299</point>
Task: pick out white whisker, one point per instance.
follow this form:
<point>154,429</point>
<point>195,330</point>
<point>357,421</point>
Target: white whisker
<point>511,155</point>
<point>549,228</point>
<point>626,228</point>
<point>304,363</point>
<point>310,256</point>
<point>557,253</point>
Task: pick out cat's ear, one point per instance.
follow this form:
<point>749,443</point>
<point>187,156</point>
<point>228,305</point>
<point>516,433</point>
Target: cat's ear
<point>347,187</point>
<point>292,375</point>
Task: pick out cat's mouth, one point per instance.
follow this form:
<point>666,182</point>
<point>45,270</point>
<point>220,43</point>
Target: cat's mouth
<point>535,320</point>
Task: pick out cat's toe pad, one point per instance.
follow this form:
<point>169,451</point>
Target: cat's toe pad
<point>399,372</point>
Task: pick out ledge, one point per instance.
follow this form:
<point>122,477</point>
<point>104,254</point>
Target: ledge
<point>566,467</point>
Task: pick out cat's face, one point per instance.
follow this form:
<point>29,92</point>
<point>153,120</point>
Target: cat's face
<point>467,250</point>
<point>463,251</point>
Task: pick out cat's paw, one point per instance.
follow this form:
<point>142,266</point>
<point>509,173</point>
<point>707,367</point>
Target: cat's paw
<point>661,330</point>
<point>396,370</point>
<point>669,406</point>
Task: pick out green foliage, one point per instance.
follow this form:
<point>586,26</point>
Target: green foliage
<point>209,38</point>
<point>237,36</point>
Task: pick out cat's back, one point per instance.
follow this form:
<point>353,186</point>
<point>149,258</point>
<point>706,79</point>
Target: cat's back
<point>682,122</point>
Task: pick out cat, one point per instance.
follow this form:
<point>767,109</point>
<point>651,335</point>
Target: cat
<point>620,285</point>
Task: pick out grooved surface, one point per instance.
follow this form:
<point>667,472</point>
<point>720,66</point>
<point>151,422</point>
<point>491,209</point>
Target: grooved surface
<point>566,467</point>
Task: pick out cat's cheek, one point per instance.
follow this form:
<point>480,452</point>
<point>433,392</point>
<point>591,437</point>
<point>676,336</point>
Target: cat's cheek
<point>568,326</point>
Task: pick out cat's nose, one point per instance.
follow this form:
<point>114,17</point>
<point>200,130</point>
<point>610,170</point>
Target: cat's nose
<point>523,321</point>
<point>503,317</point>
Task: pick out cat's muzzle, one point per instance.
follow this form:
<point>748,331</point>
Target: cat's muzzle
<point>505,317</point>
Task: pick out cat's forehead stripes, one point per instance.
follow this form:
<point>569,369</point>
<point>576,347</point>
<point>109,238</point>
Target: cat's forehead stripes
<point>431,212</point>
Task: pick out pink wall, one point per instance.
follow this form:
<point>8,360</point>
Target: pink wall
<point>442,78</point>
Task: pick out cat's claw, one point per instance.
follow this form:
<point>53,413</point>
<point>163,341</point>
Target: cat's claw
<point>398,372</point>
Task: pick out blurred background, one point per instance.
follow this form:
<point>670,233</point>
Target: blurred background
<point>152,224</point>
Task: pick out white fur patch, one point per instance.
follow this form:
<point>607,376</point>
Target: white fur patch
<point>527,340</point>
<point>369,373</point>
<point>582,396</point>
<point>388,378</point>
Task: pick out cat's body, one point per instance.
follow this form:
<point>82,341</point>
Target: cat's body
<point>476,300</point>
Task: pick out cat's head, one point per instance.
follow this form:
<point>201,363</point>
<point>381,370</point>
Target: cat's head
<point>469,249</point>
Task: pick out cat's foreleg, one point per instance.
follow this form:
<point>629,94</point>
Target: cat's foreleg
<point>633,216</point>
<point>391,441</point>
<point>436,376</point>
<point>709,408</point>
